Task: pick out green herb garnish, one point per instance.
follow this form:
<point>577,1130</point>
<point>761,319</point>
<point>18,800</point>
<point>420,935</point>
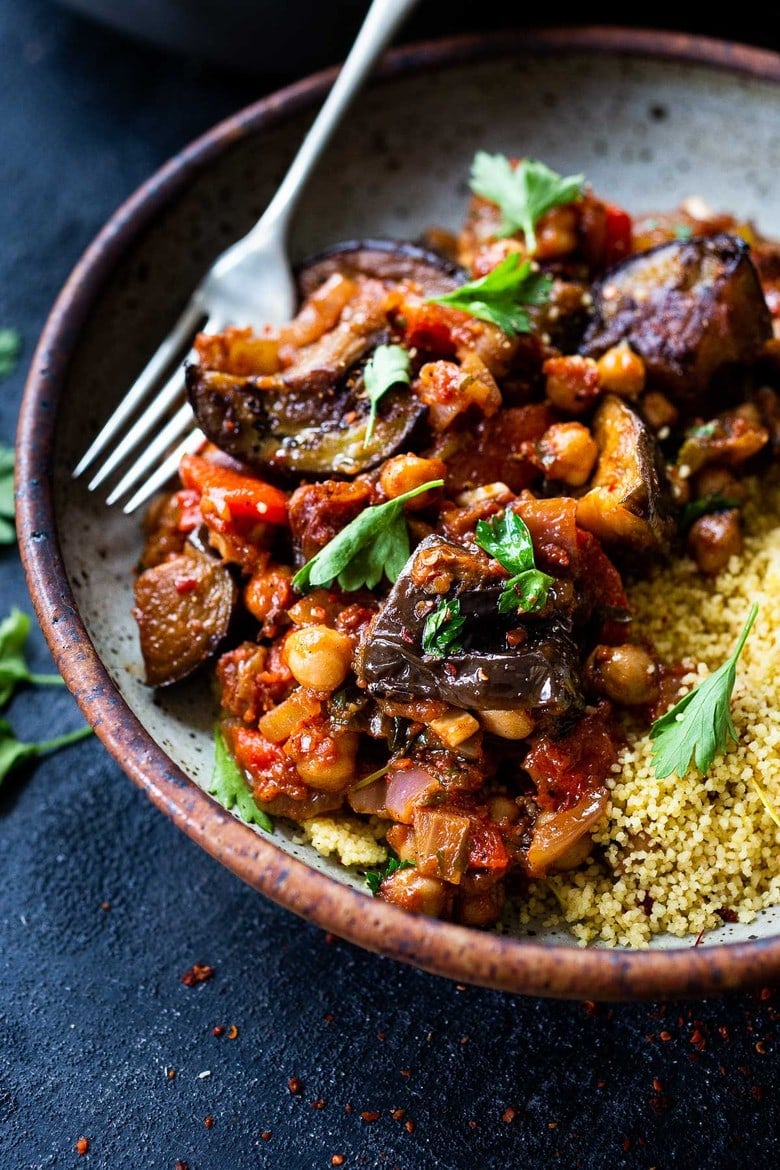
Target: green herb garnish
<point>499,297</point>
<point>229,786</point>
<point>375,877</point>
<point>700,726</point>
<point>523,193</point>
<point>507,539</point>
<point>375,543</point>
<point>10,348</point>
<point>706,506</point>
<point>13,666</point>
<point>442,629</point>
<point>388,366</point>
<point>7,530</point>
<point>13,752</point>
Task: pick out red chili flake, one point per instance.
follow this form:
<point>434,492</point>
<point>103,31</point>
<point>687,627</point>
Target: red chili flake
<point>105,905</point>
<point>409,1126</point>
<point>369,1115</point>
<point>266,1135</point>
<point>760,1047</point>
<point>727,914</point>
<point>552,1124</point>
<point>765,993</point>
<point>348,1107</point>
<point>450,669</point>
<point>398,1114</point>
<point>589,1007</point>
<point>318,1104</point>
<point>601,1084</point>
<point>626,1143</point>
<point>232,1032</point>
<point>182,1166</point>
<point>329,938</point>
<point>218,1030</point>
<point>170,1073</point>
<point>82,1145</point>
<point>381,1035</point>
<point>665,1035</point>
<point>509,1115</point>
<point>208,1121</point>
<point>465,1039</point>
<point>406,1072</point>
<point>472,1125</point>
<point>328,1017</point>
<point>294,1085</point>
<point>658,1085</point>
<point>698,1040</point>
<point>185,584</point>
<point>198,973</point>
<point>516,638</point>
<point>337,1160</point>
<point>699,938</point>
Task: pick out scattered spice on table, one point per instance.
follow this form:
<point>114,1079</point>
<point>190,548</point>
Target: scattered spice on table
<point>294,1085</point>
<point>232,1032</point>
<point>218,1030</point>
<point>208,1121</point>
<point>82,1146</point>
<point>198,973</point>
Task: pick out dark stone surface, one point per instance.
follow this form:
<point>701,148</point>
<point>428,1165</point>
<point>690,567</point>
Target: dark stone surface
<point>104,905</point>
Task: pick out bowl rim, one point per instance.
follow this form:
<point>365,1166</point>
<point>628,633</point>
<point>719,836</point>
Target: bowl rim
<point>463,954</point>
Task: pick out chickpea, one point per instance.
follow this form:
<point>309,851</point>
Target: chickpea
<point>509,724</point>
<point>659,411</point>
<point>267,595</point>
<point>503,808</point>
<point>718,481</point>
<point>714,539</point>
<point>568,452</point>
<point>481,909</point>
<point>413,891</point>
<point>627,674</point>
<point>324,758</point>
<point>571,383</point>
<point>403,473</point>
<point>621,371</point>
<point>318,657</point>
<point>556,233</point>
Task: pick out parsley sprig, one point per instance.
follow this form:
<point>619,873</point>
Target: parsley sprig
<point>375,877</point>
<point>13,665</point>
<point>13,752</point>
<point>523,193</point>
<point>500,296</point>
<point>388,366</point>
<point>442,629</point>
<point>7,531</point>
<point>507,539</point>
<point>230,788</point>
<point>374,544</point>
<point>699,727</point>
<point>10,348</point>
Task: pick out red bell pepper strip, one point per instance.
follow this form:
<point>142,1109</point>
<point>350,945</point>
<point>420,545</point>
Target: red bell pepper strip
<point>226,491</point>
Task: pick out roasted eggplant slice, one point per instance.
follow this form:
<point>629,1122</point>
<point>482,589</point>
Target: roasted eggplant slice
<point>390,260</point>
<point>693,309</point>
<point>487,672</point>
<point>184,608</point>
<point>629,504</point>
<point>290,432</point>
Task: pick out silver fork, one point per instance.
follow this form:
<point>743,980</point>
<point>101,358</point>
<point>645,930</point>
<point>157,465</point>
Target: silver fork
<point>251,281</point>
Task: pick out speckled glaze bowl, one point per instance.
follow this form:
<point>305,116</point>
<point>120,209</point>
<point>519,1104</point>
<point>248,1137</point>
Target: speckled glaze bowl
<point>650,118</point>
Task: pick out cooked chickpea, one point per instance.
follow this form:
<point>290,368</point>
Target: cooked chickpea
<point>403,473</point>
<point>318,657</point>
<point>568,452</point>
<point>325,759</point>
<point>714,539</point>
<point>510,724</point>
<point>621,371</point>
<point>659,411</point>
<point>481,909</point>
<point>571,382</point>
<point>413,891</point>
<point>718,481</point>
<point>503,808</point>
<point>556,233</point>
<point>627,674</point>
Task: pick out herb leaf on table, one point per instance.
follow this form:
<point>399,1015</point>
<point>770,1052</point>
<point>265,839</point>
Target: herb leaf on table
<point>13,752</point>
<point>10,348</point>
<point>7,506</point>
<point>13,665</point>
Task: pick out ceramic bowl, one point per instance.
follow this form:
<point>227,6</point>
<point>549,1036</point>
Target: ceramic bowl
<point>651,118</point>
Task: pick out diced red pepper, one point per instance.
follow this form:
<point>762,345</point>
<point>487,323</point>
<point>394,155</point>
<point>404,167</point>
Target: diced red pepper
<point>230,494</point>
<point>428,327</point>
<point>617,234</point>
<point>486,846</point>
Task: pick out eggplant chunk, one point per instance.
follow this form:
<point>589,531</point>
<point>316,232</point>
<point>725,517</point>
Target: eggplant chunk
<point>184,607</point>
<point>630,502</point>
<point>292,432</point>
<point>386,260</point>
<point>538,674</point>
<point>693,309</point>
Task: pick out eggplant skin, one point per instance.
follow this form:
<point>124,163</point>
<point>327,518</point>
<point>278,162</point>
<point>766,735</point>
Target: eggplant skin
<point>629,504</point>
<point>388,260</point>
<point>693,309</point>
<point>184,608</point>
<point>289,432</point>
<point>540,675</point>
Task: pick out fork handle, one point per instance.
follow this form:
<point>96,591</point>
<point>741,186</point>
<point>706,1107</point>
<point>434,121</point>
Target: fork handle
<point>379,25</point>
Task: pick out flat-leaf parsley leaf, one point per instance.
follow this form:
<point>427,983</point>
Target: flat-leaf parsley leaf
<point>500,296</point>
<point>13,666</point>
<point>375,877</point>
<point>230,788</point>
<point>506,538</point>
<point>10,348</point>
<point>388,366</point>
<point>13,752</point>
<point>700,726</point>
<point>7,531</point>
<point>522,193</point>
<point>374,544</point>
<point>442,629</point>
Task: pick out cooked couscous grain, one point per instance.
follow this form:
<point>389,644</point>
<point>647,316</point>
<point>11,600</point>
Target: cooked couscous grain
<point>682,855</point>
<point>354,842</point>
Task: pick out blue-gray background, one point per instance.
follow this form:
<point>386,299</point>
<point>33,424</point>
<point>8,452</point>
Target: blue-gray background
<point>103,904</point>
